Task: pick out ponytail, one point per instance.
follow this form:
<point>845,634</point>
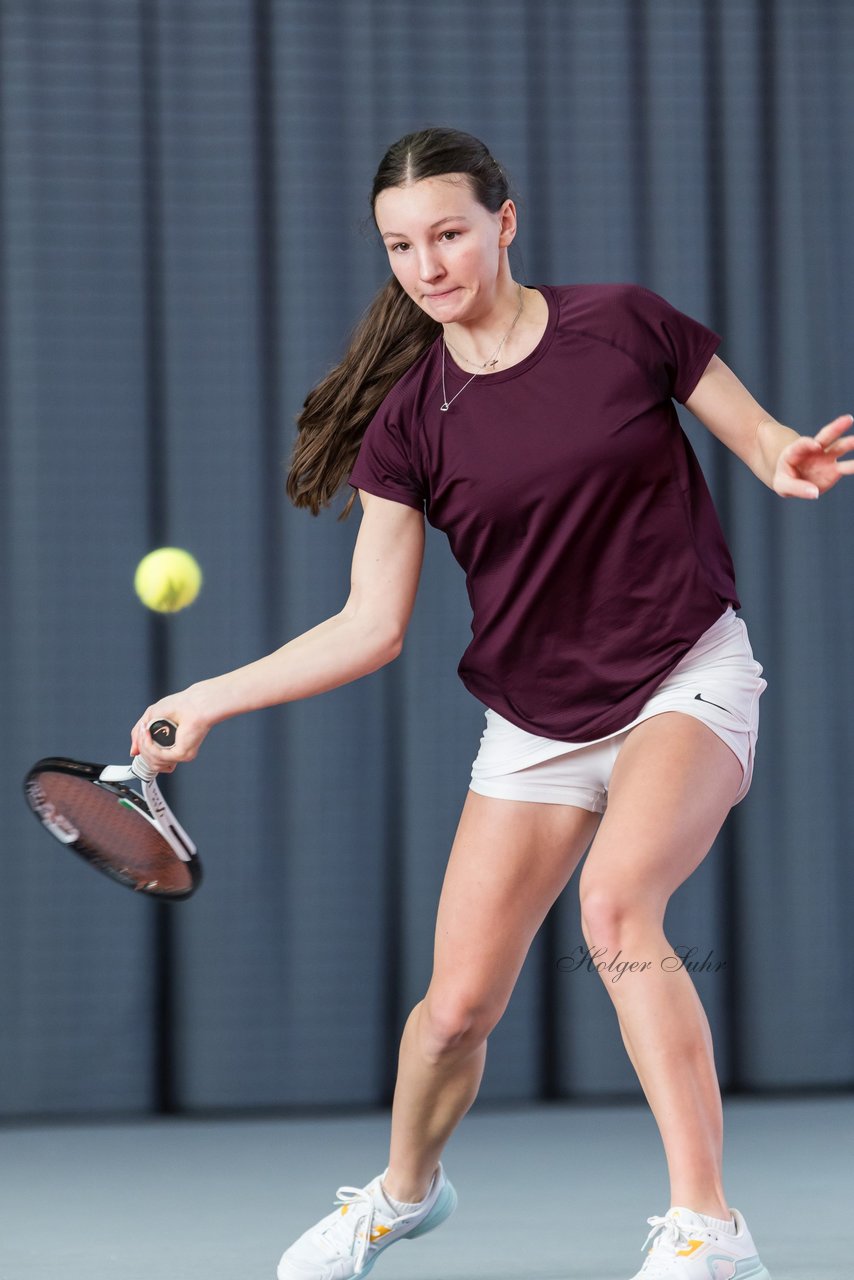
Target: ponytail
<point>387,340</point>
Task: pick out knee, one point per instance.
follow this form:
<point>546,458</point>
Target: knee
<point>611,913</point>
<point>452,1022</point>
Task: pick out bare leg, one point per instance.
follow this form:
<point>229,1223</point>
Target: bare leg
<point>672,786</point>
<point>509,862</point>
<point>432,1094</point>
<point>666,1032</point>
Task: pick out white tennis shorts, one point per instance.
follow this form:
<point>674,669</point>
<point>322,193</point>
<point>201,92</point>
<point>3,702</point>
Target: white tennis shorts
<point>718,681</point>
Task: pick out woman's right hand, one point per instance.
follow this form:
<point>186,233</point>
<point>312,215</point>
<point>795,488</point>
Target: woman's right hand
<point>185,710</point>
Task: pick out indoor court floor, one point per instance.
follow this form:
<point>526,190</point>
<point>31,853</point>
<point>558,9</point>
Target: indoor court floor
<point>546,1192</point>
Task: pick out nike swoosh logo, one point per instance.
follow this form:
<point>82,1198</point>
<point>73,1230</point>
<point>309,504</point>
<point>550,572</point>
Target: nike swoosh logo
<point>698,697</point>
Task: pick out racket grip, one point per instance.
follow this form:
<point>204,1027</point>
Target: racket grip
<point>163,732</point>
<point>141,769</point>
<point>165,736</point>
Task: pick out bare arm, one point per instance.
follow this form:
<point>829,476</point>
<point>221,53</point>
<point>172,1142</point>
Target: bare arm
<point>793,465</point>
<point>341,649</point>
<point>366,635</point>
<point>723,404</point>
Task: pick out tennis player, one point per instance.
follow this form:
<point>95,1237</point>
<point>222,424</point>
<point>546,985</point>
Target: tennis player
<point>535,426</point>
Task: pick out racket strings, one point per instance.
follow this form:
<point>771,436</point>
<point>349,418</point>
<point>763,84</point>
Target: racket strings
<point>116,835</point>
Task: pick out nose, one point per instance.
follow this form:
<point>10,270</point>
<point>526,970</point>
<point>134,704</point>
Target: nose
<point>429,267</point>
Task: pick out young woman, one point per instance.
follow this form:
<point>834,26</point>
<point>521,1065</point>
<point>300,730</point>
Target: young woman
<point>535,425</point>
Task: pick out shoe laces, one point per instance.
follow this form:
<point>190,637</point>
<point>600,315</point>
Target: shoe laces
<point>668,1234</point>
<point>354,1223</point>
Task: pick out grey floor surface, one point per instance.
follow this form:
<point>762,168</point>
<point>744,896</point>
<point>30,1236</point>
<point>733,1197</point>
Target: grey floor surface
<point>547,1192</point>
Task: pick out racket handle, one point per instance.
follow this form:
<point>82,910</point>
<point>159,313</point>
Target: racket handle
<point>163,732</point>
<point>141,769</point>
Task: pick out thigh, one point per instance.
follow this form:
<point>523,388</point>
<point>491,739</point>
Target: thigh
<point>509,862</point>
<point>720,683</point>
<point>673,783</point>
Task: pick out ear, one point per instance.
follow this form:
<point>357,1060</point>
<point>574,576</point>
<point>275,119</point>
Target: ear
<point>507,224</point>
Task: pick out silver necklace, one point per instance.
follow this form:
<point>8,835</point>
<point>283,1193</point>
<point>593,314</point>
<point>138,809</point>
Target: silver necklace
<point>493,360</point>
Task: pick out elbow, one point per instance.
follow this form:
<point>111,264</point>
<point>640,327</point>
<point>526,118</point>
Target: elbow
<point>376,635</point>
<point>393,644</point>
<point>395,647</point>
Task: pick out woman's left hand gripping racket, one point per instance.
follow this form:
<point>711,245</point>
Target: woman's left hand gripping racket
<point>136,839</point>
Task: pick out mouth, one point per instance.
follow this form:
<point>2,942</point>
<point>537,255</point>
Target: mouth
<point>444,294</point>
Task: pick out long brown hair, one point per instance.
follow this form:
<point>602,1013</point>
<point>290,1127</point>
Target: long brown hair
<point>389,336</point>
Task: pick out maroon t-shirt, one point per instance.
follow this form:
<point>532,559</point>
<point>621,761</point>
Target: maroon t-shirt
<point>574,502</point>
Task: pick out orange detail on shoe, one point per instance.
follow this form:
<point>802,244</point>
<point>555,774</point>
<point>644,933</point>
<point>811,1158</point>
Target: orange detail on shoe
<point>693,1246</point>
<point>376,1234</point>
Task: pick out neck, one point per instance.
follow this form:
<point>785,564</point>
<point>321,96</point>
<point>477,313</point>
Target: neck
<point>476,339</point>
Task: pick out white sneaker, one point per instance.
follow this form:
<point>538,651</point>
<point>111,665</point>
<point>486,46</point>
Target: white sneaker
<point>347,1242</point>
<point>687,1248</point>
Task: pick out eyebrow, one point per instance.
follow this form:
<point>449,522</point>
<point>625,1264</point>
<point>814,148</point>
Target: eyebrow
<point>454,217</point>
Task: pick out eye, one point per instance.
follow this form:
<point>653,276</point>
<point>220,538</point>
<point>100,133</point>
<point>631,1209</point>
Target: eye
<point>394,247</point>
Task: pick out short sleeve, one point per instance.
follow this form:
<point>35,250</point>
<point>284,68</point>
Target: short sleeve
<point>383,465</point>
<point>672,345</point>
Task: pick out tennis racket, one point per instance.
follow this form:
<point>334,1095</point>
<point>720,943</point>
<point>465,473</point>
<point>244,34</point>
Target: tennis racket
<point>135,839</point>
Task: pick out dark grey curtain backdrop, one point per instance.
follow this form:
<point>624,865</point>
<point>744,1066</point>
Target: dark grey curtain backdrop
<point>182,189</point>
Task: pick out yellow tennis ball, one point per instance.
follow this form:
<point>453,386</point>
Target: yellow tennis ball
<point>167,579</point>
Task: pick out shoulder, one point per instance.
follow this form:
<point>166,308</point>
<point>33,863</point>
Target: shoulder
<point>627,315</point>
<point>607,300</point>
<point>667,344</point>
<point>619,315</point>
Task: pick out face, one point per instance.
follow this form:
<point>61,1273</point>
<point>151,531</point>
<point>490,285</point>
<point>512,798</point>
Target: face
<point>443,246</point>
